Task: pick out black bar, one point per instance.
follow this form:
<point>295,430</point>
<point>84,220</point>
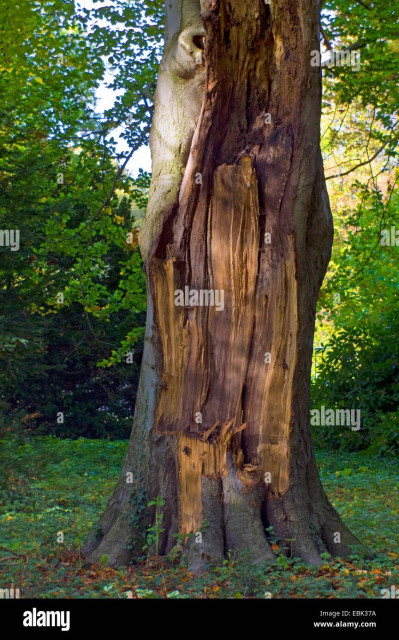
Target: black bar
<point>143,617</point>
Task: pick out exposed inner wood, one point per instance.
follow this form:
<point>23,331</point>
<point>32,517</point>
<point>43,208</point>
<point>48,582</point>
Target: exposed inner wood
<point>212,357</point>
<point>198,458</point>
<point>192,337</point>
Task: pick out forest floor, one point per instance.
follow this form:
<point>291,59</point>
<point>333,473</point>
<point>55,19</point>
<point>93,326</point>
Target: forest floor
<point>51,486</point>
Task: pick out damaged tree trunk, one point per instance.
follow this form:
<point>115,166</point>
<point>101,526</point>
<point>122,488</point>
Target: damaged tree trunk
<point>236,242</point>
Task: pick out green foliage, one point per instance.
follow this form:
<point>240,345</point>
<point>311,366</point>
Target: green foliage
<point>386,435</point>
<point>130,37</point>
<point>357,321</point>
<point>59,169</point>
<point>359,365</point>
<point>370,29</point>
<point>155,530</point>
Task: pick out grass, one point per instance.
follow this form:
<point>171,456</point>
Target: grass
<point>51,486</point>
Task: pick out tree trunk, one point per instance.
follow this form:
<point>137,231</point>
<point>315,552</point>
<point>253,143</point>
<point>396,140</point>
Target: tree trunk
<point>236,242</point>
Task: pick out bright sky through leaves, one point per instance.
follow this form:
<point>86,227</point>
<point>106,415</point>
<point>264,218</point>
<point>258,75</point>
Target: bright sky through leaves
<point>141,159</point>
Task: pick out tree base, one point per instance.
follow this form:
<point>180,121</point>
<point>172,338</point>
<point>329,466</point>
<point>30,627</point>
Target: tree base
<point>237,514</point>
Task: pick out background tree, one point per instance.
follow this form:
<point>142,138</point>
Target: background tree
<point>72,297</point>
<point>356,323</point>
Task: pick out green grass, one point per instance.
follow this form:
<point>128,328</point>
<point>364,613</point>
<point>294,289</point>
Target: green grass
<point>49,485</point>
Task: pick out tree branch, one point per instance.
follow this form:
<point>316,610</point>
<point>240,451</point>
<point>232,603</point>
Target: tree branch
<point>366,6</point>
<point>361,164</point>
<point>111,192</point>
<point>325,38</point>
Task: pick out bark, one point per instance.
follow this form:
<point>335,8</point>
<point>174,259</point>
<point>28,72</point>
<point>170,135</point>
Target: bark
<point>238,204</point>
